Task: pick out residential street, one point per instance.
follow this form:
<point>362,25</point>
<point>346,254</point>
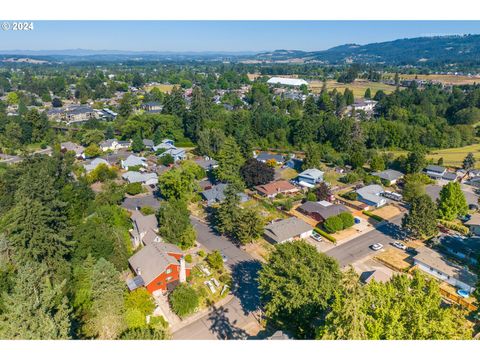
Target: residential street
<point>234,320</point>
<point>359,248</point>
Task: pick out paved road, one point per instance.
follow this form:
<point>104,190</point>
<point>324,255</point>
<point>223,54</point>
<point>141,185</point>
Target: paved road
<point>235,319</point>
<point>359,248</point>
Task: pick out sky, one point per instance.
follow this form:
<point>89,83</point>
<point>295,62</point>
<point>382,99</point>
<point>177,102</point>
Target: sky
<point>229,36</point>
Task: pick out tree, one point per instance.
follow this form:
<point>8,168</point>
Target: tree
<point>228,211</point>
<point>377,163</point>
<point>167,160</point>
<point>421,220</point>
<point>255,173</point>
<point>248,225</point>
<point>452,202</point>
<point>137,143</point>
<point>230,160</point>
<point>414,186</point>
<point>368,94</point>
<point>323,192</point>
<point>174,223</point>
<point>210,141</point>
<point>296,286</point>
<point>36,308</point>
<point>415,162</point>
<point>178,183</point>
<point>56,102</point>
<point>215,260</point>
<point>184,300</point>
<point>101,173</point>
<point>148,333</point>
<point>313,156</point>
<point>107,311</point>
<point>333,224</point>
<point>469,162</point>
<point>92,151</point>
<point>347,219</point>
<point>404,308</point>
<point>134,188</point>
<point>138,304</point>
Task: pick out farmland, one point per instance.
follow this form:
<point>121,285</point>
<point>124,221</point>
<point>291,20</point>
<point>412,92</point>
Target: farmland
<point>445,79</point>
<point>358,87</point>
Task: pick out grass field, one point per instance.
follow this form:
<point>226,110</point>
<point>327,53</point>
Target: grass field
<point>358,87</point>
<point>451,157</point>
<point>162,87</point>
<point>446,79</point>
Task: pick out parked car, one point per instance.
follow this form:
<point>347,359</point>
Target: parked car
<point>376,246</point>
<point>224,258</point>
<point>316,236</point>
<point>399,245</point>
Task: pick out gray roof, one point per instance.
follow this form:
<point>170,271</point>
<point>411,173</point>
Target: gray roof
<point>436,168</point>
<point>70,146</point>
<point>206,164</point>
<point>148,143</point>
<point>94,163</point>
<point>313,174</point>
<point>265,156</point>
<point>108,142</point>
<point>283,230</point>
<point>436,261</point>
<point>371,193</point>
<point>133,203</point>
<point>135,176</point>
<point>324,211</point>
<point>389,174</point>
<point>153,259</point>
<point>449,176</point>
<point>467,246</point>
<point>216,193</point>
<point>133,160</point>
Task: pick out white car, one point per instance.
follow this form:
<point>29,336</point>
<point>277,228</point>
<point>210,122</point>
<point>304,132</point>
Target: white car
<point>399,245</point>
<point>316,236</point>
<point>376,246</point>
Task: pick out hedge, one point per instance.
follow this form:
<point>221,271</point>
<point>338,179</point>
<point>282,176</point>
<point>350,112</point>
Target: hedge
<point>454,226</point>
<point>373,216</point>
<point>326,235</point>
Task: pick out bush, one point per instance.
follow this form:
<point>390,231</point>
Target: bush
<point>347,219</point>
<point>215,260</point>
<point>147,210</point>
<point>373,216</point>
<point>455,226</point>
<point>201,253</point>
<point>311,196</point>
<point>188,258</point>
<point>325,235</point>
<point>352,196</point>
<point>184,300</point>
<point>287,205</point>
<point>333,224</point>
<point>134,188</point>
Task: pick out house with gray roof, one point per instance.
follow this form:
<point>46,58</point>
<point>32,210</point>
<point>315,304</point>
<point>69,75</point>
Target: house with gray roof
<point>287,230</point>
<point>92,165</point>
<point>435,264</point>
<point>149,144</point>
<point>216,194</point>
<point>389,176</point>
<point>264,156</point>
<point>177,154</point>
<point>371,195</point>
<point>133,161</point>
<point>322,210</point>
<point>139,202</point>
<point>79,150</point>
<point>145,229</point>
<point>435,171</point>
<point>310,177</point>
<point>138,177</point>
<point>165,144</point>
<point>206,163</point>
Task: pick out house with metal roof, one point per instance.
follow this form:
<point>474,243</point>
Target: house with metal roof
<point>286,81</point>
<point>287,230</point>
<point>389,176</point>
<point>310,177</point>
<point>371,195</point>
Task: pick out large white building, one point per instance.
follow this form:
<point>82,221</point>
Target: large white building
<point>286,81</point>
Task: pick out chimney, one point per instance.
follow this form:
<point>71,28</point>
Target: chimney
<point>138,271</point>
<point>182,276</point>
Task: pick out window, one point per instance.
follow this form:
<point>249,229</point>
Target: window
<point>168,271</point>
<point>168,278</point>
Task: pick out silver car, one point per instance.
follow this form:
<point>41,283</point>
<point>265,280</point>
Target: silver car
<point>316,236</point>
<point>376,246</point>
<point>399,245</point>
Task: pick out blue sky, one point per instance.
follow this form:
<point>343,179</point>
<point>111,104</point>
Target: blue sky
<point>220,35</point>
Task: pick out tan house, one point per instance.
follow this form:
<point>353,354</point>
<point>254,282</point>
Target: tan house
<point>274,188</point>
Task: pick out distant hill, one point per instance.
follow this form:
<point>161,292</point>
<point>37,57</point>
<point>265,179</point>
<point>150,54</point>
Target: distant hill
<point>414,51</point>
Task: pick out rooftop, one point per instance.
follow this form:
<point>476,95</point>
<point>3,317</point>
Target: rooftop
<point>389,174</point>
<point>283,230</point>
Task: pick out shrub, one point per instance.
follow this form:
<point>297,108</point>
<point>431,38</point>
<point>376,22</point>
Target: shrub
<point>287,205</point>
<point>455,226</point>
<point>352,196</point>
<point>215,260</point>
<point>333,224</point>
<point>347,219</point>
<point>201,253</point>
<point>188,258</point>
<point>167,160</point>
<point>311,196</point>
<point>184,300</point>
<point>134,188</point>
<point>373,216</point>
<point>135,168</point>
<point>147,210</point>
<point>325,235</point>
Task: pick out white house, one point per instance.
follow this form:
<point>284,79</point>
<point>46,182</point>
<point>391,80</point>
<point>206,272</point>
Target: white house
<point>371,195</point>
<point>310,177</point>
<point>138,177</point>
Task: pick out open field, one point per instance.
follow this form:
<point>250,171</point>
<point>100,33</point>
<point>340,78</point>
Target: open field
<point>165,88</point>
<point>451,157</point>
<point>445,79</point>
<point>358,87</point>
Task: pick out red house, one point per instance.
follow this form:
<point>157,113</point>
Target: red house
<point>158,266</point>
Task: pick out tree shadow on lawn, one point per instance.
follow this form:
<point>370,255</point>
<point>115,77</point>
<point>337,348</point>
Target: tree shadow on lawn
<point>245,284</point>
<point>222,327</point>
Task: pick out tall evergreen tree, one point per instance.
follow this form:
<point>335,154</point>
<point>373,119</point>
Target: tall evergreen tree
<point>452,202</point>
<point>421,220</point>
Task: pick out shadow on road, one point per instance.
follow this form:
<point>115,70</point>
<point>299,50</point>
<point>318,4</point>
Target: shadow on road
<point>392,230</point>
<point>221,326</point>
<point>244,276</point>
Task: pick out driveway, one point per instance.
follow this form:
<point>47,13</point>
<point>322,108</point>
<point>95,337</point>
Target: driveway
<point>237,319</point>
<point>359,248</point>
